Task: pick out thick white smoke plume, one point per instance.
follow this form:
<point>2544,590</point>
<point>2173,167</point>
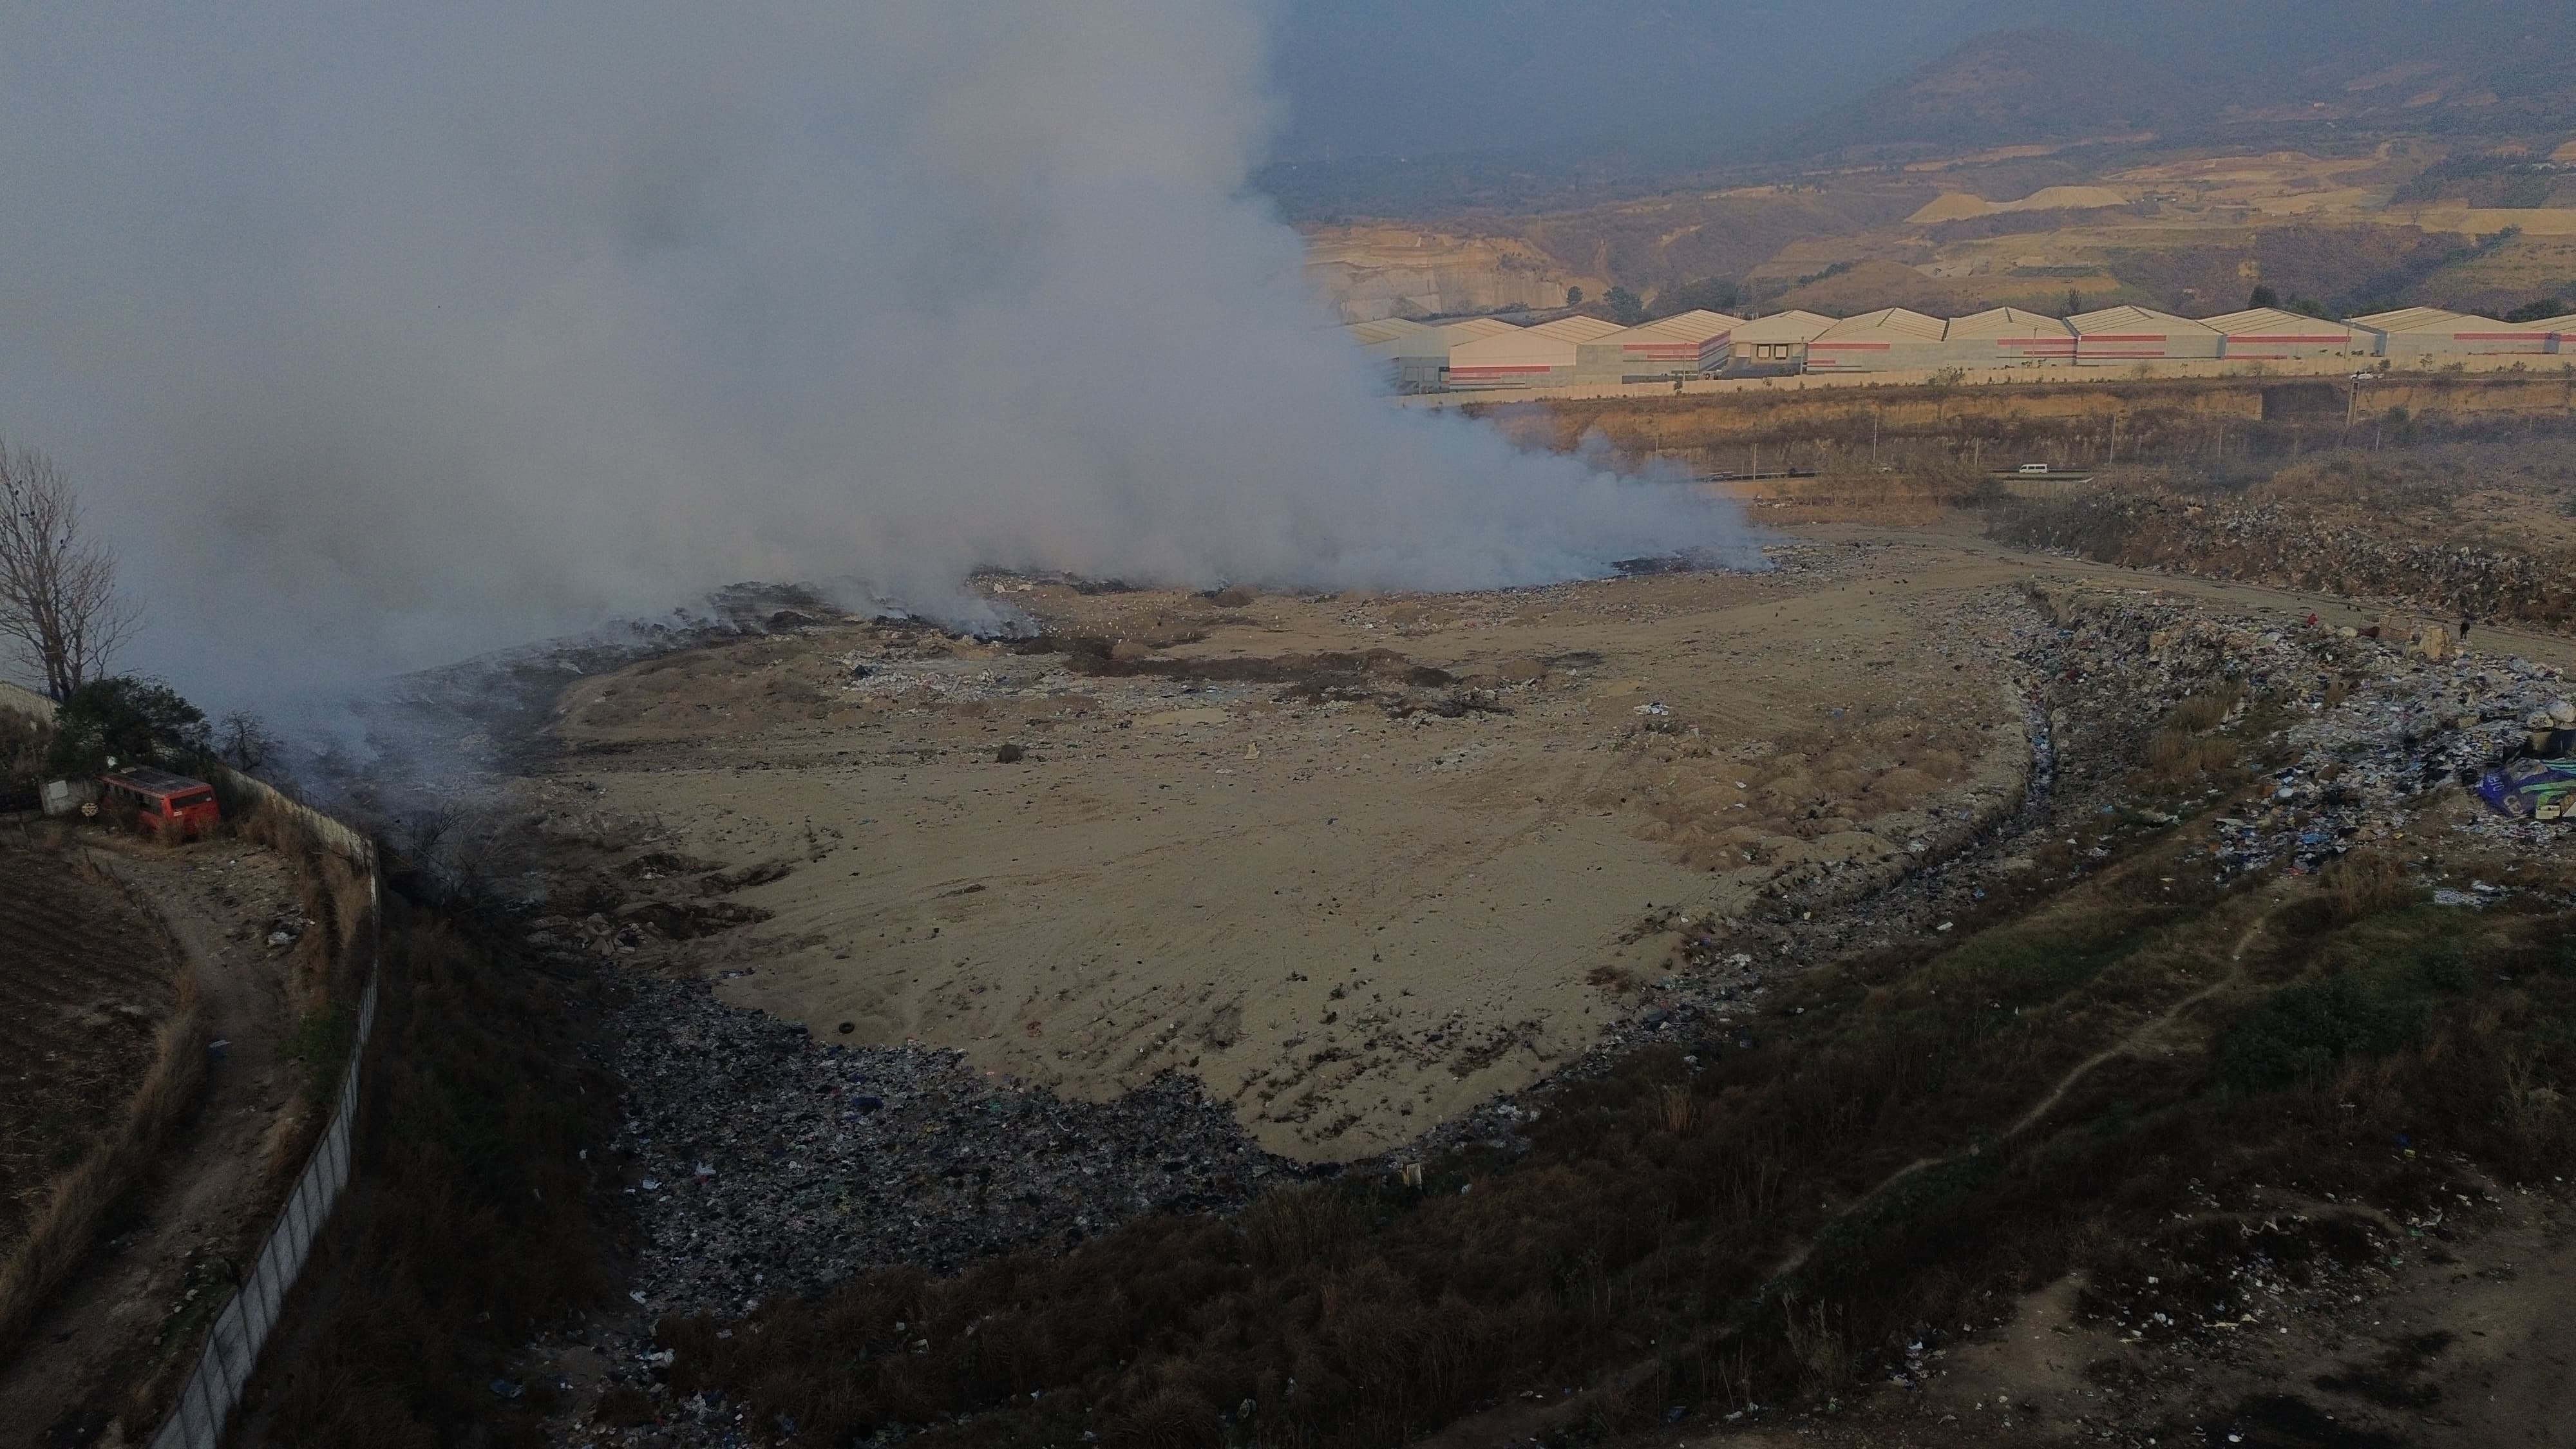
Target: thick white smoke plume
<point>382,334</point>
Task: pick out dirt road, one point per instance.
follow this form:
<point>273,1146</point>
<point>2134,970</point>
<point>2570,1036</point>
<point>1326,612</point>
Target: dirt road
<point>168,1255</point>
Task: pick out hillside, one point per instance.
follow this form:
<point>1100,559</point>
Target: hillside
<point>2357,225</point>
<point>2015,87</point>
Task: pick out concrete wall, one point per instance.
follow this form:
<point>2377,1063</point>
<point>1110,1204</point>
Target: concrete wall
<point>2069,415</point>
<point>2504,340</point>
<point>2297,347</point>
<point>1876,354</point>
<point>2129,347</point>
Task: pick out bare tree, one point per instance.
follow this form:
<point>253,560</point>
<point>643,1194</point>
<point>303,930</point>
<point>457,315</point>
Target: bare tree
<point>59,608</point>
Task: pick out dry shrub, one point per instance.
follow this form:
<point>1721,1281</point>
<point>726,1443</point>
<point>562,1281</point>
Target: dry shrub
<point>1302,1225</point>
<point>2203,712</point>
<point>2363,884</point>
<point>2175,756</point>
<point>1675,1109</point>
<point>1174,1418</point>
<point>1815,1335</point>
<point>63,1228</point>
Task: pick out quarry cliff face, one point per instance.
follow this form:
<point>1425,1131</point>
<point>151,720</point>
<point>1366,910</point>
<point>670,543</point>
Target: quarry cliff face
<point>1369,272</point>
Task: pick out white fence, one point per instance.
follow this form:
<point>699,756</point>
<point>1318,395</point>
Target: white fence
<point>214,1387</point>
<point>242,1329</point>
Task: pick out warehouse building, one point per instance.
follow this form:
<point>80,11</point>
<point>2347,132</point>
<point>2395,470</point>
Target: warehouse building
<point>1777,343</point>
<point>1684,345</point>
<point>1883,341</point>
<point>2562,333</point>
<point>2268,334</point>
<point>2118,335</point>
<point>2006,337</point>
<point>2429,334</point>
<point>1402,348</point>
<point>1421,359</point>
<point>1375,337</point>
<point>1541,356</point>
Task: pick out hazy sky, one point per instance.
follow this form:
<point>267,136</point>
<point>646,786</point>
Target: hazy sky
<point>1395,77</point>
<point>1676,79</point>
<point>382,335</point>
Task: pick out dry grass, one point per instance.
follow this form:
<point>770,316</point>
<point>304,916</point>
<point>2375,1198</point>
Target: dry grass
<point>1629,1250</point>
<point>2363,884</point>
<point>471,1216</point>
<point>2185,755</point>
<point>2205,711</point>
<point>63,1230</point>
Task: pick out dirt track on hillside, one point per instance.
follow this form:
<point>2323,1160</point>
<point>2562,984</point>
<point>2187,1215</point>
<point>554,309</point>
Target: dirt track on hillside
<point>172,1249</point>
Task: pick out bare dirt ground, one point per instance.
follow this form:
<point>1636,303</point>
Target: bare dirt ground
<point>1355,863</point>
<point>83,985</point>
<point>171,1250</point>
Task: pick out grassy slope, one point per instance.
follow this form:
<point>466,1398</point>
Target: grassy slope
<point>470,1219</point>
<point>1637,1249</point>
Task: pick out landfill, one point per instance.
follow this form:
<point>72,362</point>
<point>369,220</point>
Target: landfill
<point>763,1161</point>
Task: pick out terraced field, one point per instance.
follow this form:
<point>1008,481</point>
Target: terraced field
<point>84,981</point>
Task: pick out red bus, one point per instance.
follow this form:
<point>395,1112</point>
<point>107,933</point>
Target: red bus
<point>165,805</point>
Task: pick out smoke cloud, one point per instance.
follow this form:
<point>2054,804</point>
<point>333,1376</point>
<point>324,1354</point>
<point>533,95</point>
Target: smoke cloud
<point>382,335</point>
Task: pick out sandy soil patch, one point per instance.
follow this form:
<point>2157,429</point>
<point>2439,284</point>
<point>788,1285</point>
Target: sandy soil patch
<point>1354,863</point>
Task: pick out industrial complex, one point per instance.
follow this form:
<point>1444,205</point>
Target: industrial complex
<point>1486,352</point>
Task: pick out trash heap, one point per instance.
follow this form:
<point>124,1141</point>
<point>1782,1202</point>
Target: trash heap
<point>764,1162</point>
<point>2294,545</point>
<point>2385,724</point>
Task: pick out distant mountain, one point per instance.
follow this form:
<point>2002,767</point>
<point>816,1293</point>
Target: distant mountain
<point>2182,68</point>
<point>2004,89</point>
<point>1434,106</point>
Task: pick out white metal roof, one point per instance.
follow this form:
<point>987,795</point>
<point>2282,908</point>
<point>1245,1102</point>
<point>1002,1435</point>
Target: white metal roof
<point>2273,322</point>
<point>2133,319</point>
<point>1577,329</point>
<point>1887,323</point>
<point>1692,326</point>
<point>1384,329</point>
<point>2425,319</point>
<point>2006,322</point>
<point>1473,328</point>
<point>1519,348</point>
<point>2563,326</point>
<point>1783,327</point>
